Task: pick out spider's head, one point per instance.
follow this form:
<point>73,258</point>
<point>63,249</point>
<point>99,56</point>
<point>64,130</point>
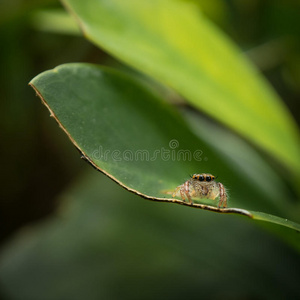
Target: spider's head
<point>204,177</point>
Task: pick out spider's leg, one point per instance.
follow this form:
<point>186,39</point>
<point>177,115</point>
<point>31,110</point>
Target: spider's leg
<point>223,196</point>
<point>182,192</point>
<point>187,191</point>
<point>176,191</point>
<point>180,188</point>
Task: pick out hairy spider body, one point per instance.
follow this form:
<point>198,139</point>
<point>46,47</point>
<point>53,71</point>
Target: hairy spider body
<point>202,186</point>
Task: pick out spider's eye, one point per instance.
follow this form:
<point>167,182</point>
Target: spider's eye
<point>201,178</point>
<point>208,178</point>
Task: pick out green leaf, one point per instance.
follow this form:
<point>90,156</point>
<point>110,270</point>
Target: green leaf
<point>260,216</point>
<point>173,42</point>
<point>274,219</point>
<point>134,137</point>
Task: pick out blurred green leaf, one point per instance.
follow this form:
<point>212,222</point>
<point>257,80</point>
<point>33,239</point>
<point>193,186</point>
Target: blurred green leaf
<point>131,135</point>
<point>107,244</point>
<point>54,20</point>
<point>171,41</point>
<point>14,10</point>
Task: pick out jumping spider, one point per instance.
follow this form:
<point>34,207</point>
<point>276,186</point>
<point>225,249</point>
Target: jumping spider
<point>202,186</point>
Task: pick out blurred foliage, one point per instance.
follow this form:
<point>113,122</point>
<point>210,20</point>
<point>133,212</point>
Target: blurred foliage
<point>38,163</point>
<point>106,243</point>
